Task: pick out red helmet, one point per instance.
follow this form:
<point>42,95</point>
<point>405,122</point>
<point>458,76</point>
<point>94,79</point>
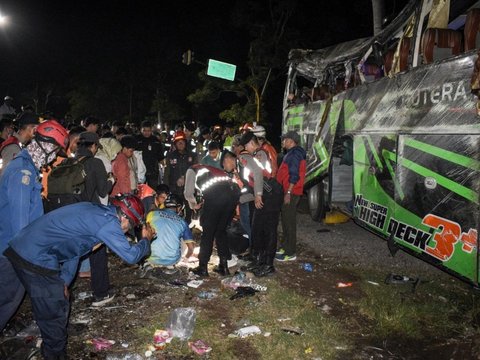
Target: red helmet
<point>179,135</point>
<point>246,127</point>
<point>131,206</point>
<point>52,132</point>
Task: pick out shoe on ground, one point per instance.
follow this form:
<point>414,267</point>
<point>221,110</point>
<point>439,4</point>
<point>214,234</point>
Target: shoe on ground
<point>200,271</point>
<point>98,302</point>
<point>264,270</point>
<point>170,270</point>
<point>221,270</point>
<point>285,257</point>
<point>280,251</point>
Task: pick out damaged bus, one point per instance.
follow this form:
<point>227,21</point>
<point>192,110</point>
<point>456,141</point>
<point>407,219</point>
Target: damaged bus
<point>391,128</point>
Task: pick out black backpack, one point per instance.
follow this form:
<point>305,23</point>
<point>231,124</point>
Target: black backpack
<point>66,183</point>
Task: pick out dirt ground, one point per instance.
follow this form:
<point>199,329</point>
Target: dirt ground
<point>338,253</point>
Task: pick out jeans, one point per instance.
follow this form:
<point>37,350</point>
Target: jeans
<point>11,291</point>
<point>99,281</point>
<point>245,221</point>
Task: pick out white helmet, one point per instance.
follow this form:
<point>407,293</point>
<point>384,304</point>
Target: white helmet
<point>259,131</point>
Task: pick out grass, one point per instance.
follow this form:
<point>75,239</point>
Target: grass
<point>435,309</point>
<point>322,334</point>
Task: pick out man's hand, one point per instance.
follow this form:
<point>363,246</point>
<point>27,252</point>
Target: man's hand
<point>258,201</point>
<point>286,198</point>
<point>148,232</point>
<point>198,206</point>
<point>66,292</point>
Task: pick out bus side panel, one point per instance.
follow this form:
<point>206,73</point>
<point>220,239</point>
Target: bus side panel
<point>437,200</point>
<point>373,182</point>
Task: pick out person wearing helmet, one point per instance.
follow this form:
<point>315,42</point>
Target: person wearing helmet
<point>46,253</point>
<point>177,164</point>
<point>265,145</point>
<point>173,234</point>
<point>26,124</point>
<point>21,203</point>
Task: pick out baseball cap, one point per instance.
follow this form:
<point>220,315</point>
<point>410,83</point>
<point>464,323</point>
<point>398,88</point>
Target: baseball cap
<point>292,135</point>
<point>27,119</point>
<point>89,137</point>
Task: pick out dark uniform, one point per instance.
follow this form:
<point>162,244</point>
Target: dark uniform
<point>220,193</point>
<point>152,152</point>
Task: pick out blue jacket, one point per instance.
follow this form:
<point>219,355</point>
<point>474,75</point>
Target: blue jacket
<point>20,197</point>
<point>58,239</point>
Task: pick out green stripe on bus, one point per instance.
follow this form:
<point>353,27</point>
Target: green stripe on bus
<point>374,152</point>
<point>441,180</point>
<point>296,109</point>
<point>296,120</point>
<point>444,154</point>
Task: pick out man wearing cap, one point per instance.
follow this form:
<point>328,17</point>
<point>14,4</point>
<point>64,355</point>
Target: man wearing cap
<point>291,174</point>
<point>26,124</point>
<point>152,153</point>
<point>7,107</point>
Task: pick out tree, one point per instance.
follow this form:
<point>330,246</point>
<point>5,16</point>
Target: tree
<point>265,59</point>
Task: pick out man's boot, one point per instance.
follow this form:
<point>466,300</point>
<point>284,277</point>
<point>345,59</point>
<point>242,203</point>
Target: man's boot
<point>258,261</point>
<point>222,267</point>
<point>201,270</point>
<point>266,269</point>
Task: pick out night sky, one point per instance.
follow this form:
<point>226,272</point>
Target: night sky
<point>60,45</point>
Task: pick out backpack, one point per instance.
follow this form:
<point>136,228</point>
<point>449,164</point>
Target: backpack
<point>66,183</point>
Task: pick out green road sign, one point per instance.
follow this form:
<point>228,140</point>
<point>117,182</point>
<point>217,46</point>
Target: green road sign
<point>221,70</point>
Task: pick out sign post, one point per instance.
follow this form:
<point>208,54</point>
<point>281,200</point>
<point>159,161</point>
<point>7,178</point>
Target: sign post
<point>221,70</point>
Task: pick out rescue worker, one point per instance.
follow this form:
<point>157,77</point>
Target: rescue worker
<point>177,164</point>
<point>189,130</point>
<point>26,124</point>
<point>21,203</point>
<point>219,190</point>
<point>266,146</point>
<point>45,257</point>
<point>152,153</point>
<point>265,217</point>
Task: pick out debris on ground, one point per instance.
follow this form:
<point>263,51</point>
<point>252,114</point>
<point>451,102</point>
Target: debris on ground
<point>101,343</point>
<point>161,338</point>
<point>344,285</point>
<point>307,267</point>
<point>199,347</point>
<point>402,280</point>
<point>243,291</point>
<point>181,323</point>
<point>207,295</point>
<point>194,283</point>
<point>293,330</point>
<point>246,331</point>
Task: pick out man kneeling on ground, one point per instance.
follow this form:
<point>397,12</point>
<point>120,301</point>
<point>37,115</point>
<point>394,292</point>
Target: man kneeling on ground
<point>45,257</point>
<point>171,230</point>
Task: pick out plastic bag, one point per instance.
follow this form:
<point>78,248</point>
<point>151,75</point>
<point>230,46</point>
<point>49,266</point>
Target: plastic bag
<point>181,323</point>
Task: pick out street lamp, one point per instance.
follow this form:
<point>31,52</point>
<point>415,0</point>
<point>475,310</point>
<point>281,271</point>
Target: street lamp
<point>3,20</point>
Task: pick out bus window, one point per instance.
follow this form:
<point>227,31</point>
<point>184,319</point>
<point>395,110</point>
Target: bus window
<point>438,44</point>
<point>472,26</point>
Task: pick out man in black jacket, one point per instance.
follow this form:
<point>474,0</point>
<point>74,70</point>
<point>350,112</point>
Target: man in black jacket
<point>152,153</point>
<point>97,184</point>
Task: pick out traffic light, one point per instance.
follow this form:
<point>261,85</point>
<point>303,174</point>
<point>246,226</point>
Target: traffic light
<point>187,57</point>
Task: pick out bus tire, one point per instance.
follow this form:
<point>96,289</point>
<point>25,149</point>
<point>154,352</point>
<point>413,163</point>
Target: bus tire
<point>316,201</point>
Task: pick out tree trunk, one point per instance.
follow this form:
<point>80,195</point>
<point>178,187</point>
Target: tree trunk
<point>378,8</point>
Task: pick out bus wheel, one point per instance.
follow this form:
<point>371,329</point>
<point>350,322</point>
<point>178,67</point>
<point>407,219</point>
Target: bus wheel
<point>316,201</point>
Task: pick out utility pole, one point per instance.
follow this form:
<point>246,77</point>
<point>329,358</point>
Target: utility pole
<point>378,8</point>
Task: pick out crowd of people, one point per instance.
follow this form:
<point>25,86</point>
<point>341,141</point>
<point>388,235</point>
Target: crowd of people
<point>138,194</point>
